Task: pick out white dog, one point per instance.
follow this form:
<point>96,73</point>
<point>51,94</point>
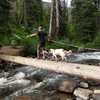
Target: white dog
<point>60,52</point>
<point>68,53</point>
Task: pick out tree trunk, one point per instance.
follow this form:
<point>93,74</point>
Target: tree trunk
<point>51,20</point>
<point>12,11</point>
<point>20,11</point>
<point>57,18</point>
<point>4,16</point>
<point>52,27</point>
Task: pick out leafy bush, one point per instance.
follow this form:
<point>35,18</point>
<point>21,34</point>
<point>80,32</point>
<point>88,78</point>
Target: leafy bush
<point>97,41</point>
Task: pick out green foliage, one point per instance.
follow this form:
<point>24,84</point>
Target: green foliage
<point>72,33</point>
<point>84,18</point>
<point>82,32</point>
<point>46,18</point>
<point>34,12</point>
<point>4,16</point>
<point>30,44</point>
<point>5,39</point>
<point>29,12</point>
<point>97,41</point>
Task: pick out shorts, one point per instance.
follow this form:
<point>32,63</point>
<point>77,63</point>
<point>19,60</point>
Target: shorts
<point>42,44</point>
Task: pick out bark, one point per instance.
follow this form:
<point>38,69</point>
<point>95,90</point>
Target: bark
<point>57,17</point>
<point>12,11</point>
<point>55,28</point>
<point>25,14</point>
<point>52,27</point>
<point>4,16</point>
<point>20,11</point>
<point>51,20</point>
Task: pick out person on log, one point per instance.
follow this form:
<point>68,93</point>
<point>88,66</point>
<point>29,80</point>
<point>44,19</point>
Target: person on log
<point>41,41</point>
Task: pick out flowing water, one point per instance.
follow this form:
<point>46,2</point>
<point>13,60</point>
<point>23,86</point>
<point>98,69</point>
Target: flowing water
<point>91,57</point>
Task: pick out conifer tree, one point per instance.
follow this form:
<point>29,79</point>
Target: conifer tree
<point>84,19</point>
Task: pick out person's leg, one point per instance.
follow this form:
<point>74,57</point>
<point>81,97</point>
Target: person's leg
<point>41,52</point>
<point>42,49</point>
<point>38,51</point>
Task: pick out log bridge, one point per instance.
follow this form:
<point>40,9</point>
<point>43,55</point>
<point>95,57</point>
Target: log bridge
<point>83,71</point>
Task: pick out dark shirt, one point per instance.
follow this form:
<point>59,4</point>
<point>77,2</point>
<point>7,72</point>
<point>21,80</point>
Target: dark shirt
<point>41,36</point>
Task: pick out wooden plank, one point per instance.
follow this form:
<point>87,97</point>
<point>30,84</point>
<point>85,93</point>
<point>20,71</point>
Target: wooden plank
<point>84,71</point>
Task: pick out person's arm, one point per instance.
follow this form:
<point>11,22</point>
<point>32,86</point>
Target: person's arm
<point>34,34</point>
<point>18,37</point>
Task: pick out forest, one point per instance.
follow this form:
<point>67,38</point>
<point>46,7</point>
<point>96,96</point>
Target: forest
<point>77,25</point>
<point>50,50</point>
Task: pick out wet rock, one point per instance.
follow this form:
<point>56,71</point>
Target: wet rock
<point>23,98</point>
<point>96,94</point>
<point>2,80</point>
<point>83,93</point>
<point>19,75</point>
<point>67,86</point>
<point>1,98</point>
<point>46,96</point>
<point>11,86</point>
<point>96,97</point>
<point>78,98</point>
<point>84,85</point>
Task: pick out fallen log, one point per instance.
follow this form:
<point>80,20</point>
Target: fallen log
<point>10,50</point>
<point>84,71</point>
<point>88,50</point>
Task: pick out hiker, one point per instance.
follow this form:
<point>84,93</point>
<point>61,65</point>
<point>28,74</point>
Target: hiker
<point>41,41</point>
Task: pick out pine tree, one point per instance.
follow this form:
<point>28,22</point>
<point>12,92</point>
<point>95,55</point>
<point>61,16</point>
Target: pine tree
<point>4,15</point>
<point>84,18</point>
<point>29,12</point>
<point>57,19</point>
